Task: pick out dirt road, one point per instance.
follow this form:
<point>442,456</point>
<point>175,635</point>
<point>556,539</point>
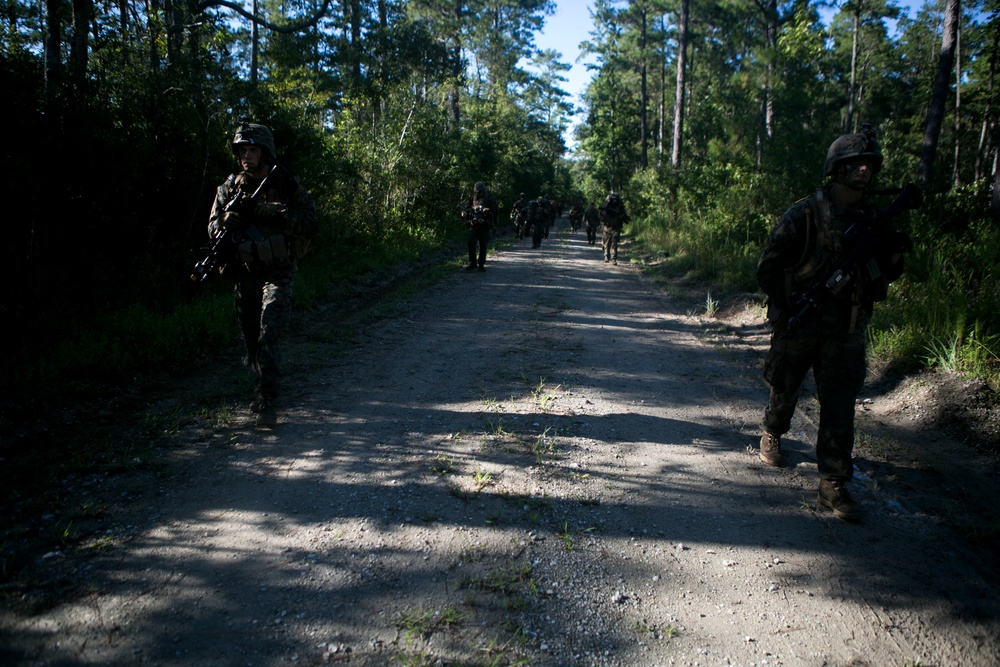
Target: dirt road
<point>548,463</point>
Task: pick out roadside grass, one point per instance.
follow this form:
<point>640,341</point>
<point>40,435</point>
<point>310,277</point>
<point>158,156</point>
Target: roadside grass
<point>566,536</point>
<point>544,448</point>
<point>512,584</point>
<point>496,428</point>
<point>420,624</point>
<point>482,479</point>
<point>641,627</point>
<point>711,305</point>
<point>441,465</point>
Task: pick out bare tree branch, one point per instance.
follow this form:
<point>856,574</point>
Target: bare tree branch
<point>288,29</point>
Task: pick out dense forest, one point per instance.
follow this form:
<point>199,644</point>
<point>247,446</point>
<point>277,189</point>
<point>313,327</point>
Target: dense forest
<point>709,117</point>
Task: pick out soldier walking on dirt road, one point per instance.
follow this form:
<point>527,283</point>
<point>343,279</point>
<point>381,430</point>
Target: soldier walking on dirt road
<point>613,217</point>
<point>277,219</point>
<point>803,250</point>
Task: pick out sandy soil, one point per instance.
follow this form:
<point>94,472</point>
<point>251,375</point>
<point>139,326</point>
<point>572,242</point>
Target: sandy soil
<point>549,463</point>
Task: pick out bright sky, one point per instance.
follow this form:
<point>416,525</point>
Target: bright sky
<point>571,25</point>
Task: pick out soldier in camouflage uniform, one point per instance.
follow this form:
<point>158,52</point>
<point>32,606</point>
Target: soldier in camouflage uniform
<point>803,247</point>
<point>575,216</point>
<point>483,201</point>
<point>591,221</point>
<point>279,222</point>
<point>517,216</point>
<point>613,217</point>
<point>535,218</point>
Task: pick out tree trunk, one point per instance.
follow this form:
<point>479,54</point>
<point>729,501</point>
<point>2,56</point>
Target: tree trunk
<point>80,44</point>
<point>995,194</point>
<point>53,53</point>
<point>662,111</point>
<point>851,92</point>
<point>254,41</point>
<point>153,34</point>
<point>643,92</point>
<point>771,31</point>
<point>456,68</point>
<point>175,32</point>
<point>956,178</point>
<point>682,40</point>
<point>356,43</point>
<point>935,115</point>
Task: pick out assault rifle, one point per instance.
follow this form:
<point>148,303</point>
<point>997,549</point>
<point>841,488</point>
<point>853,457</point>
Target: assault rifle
<point>864,240</point>
<point>474,217</point>
<point>222,247</point>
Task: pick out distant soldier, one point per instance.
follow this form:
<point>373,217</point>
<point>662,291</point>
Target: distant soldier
<point>591,222</point>
<point>536,217</point>
<point>279,220</point>
<point>575,216</point>
<point>517,216</point>
<point>555,210</point>
<point>613,217</point>
<point>481,213</point>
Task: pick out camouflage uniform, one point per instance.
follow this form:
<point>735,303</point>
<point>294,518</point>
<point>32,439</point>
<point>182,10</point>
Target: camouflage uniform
<point>591,221</point>
<point>804,246</point>
<point>517,216</point>
<point>554,212</point>
<point>827,343</point>
<point>479,234</point>
<point>266,271</point>
<point>537,217</point>
<point>613,217</point>
<point>575,215</point>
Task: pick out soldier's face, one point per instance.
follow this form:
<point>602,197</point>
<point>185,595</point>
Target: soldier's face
<point>858,173</point>
<point>250,158</point>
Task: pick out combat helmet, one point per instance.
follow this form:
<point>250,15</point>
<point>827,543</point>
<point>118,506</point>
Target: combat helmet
<point>850,146</point>
<point>480,187</point>
<point>256,135</point>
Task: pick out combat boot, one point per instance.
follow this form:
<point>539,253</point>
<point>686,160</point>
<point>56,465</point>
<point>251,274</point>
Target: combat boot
<point>835,496</point>
<point>770,449</point>
<point>266,414</point>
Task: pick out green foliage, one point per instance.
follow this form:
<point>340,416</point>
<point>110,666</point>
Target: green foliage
<point>945,309</point>
<point>765,95</point>
<point>718,242</point>
<point>118,158</point>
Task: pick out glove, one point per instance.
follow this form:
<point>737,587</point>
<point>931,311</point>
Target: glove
<point>269,209</point>
<point>233,221</point>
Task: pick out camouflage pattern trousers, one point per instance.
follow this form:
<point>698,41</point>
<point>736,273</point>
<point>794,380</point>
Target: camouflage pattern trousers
<point>479,237</point>
<point>591,234</point>
<point>611,236</point>
<point>263,308</point>
<point>837,359</point>
<point>537,231</point>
